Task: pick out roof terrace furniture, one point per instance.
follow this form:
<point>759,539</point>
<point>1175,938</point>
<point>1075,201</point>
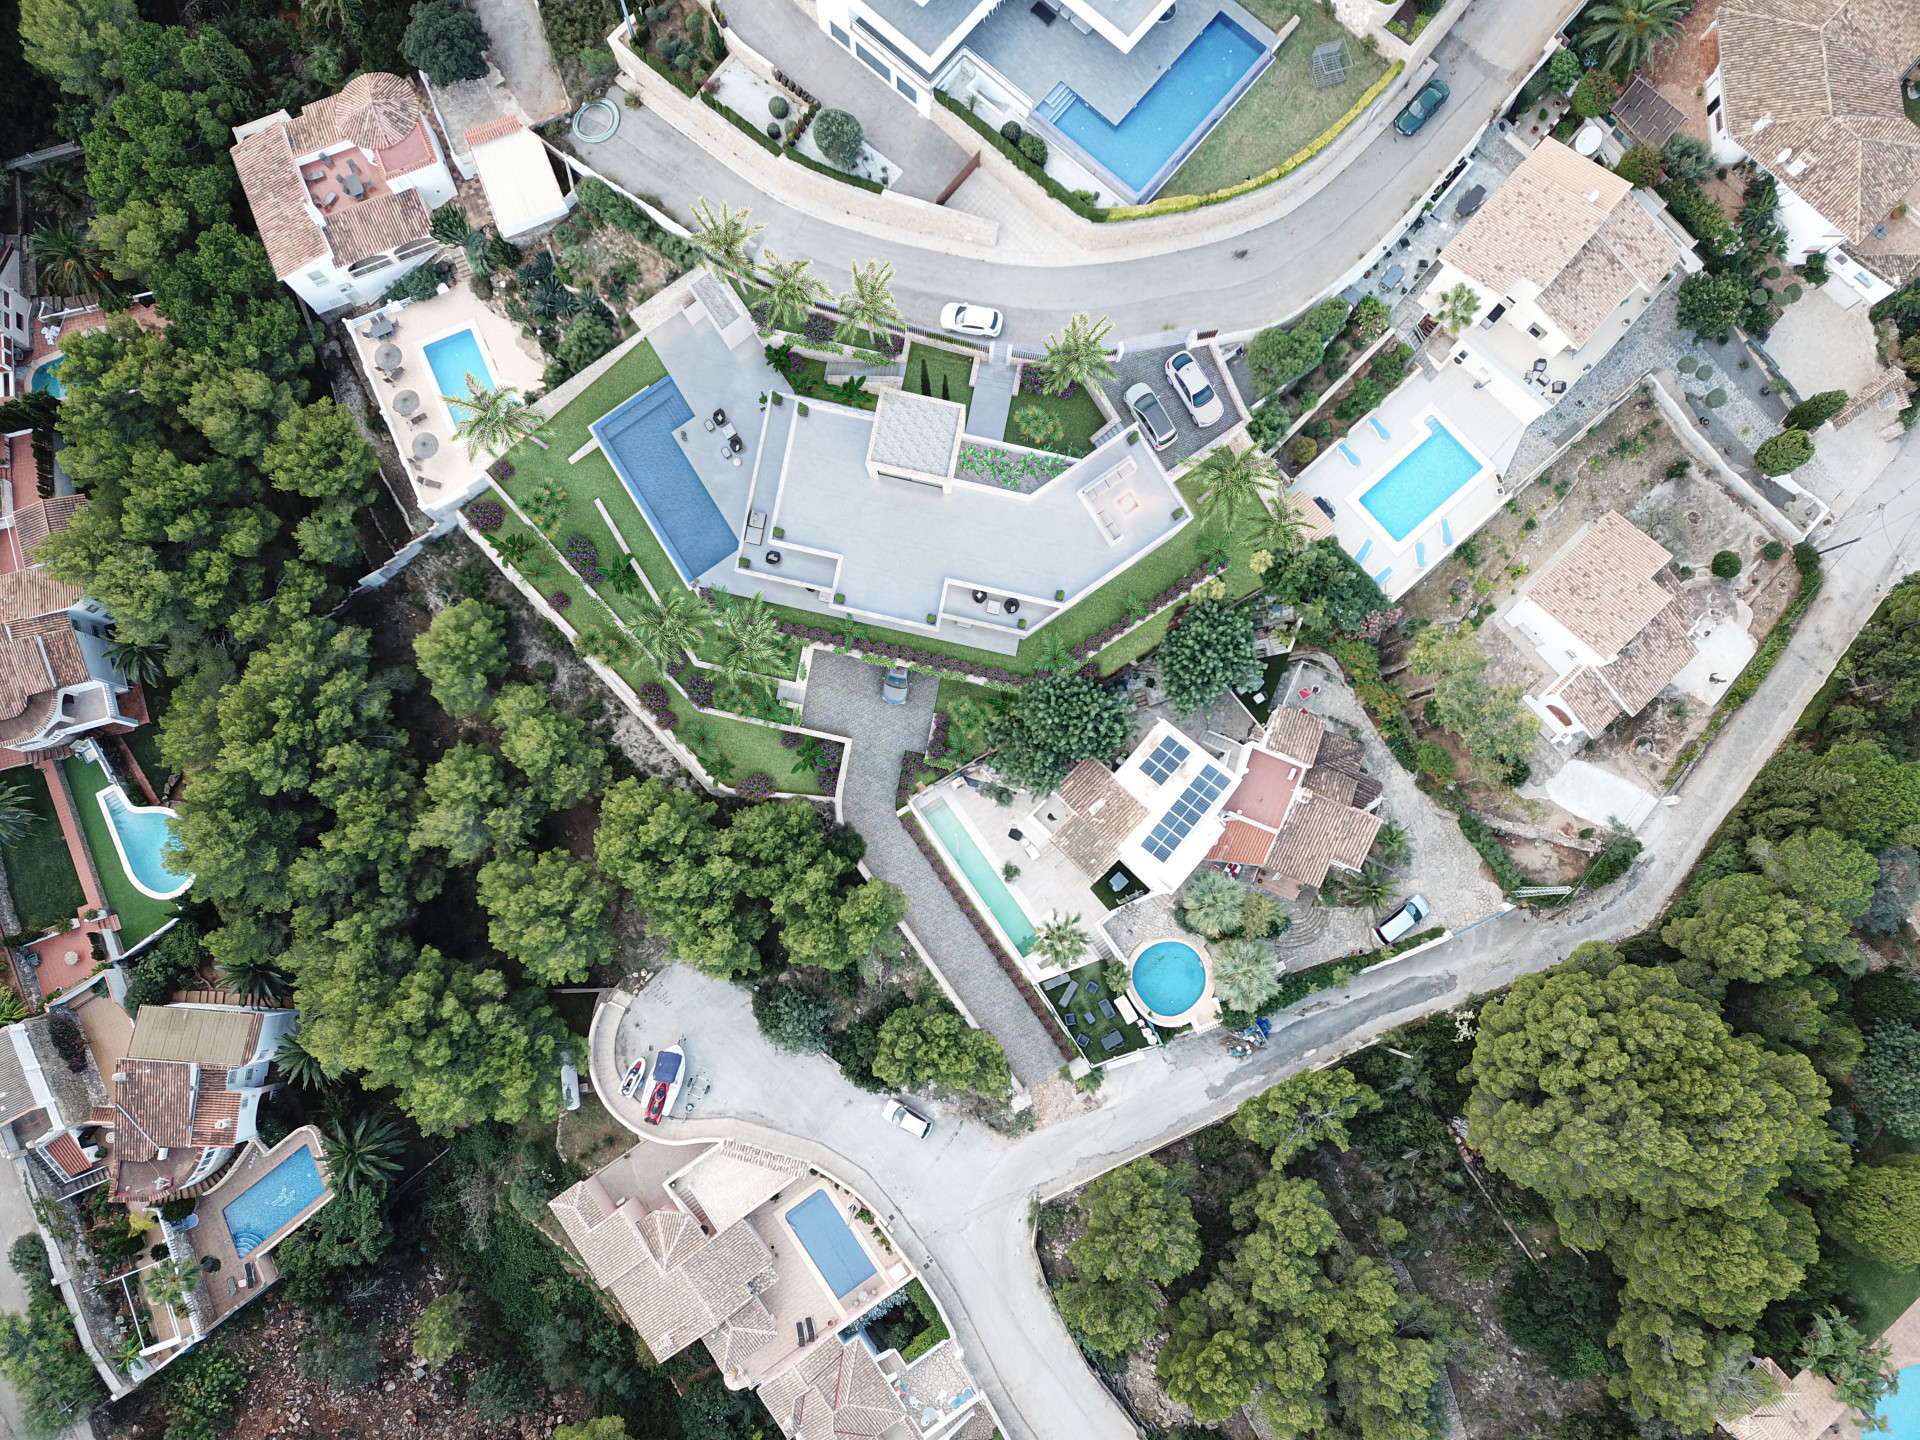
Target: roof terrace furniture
<point>387,357</point>
<point>328,200</point>
<point>1112,1040</point>
<point>406,402</point>
<point>381,328</point>
<point>313,176</point>
<point>425,445</point>
<point>719,417</point>
<point>756,526</point>
<point>353,186</point>
<point>1470,202</point>
<point>1106,1008</point>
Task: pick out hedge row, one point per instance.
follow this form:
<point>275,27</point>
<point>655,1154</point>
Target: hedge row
<point>912,655</point>
<point>1297,985</point>
<point>1042,1011</point>
<point>1173,594</point>
<point>1085,209</point>
<point>1510,876</point>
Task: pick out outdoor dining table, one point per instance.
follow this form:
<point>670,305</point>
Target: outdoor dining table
<point>425,445</point>
<point>387,357</point>
<point>406,402</point>
<point>381,327</point>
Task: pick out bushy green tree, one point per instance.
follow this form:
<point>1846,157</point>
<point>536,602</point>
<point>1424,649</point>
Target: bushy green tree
<point>198,1392</point>
<point>1712,303</point>
<point>1493,724</point>
<point>40,1351</point>
<point>1814,411</point>
<point>1787,451</point>
<point>840,137</point>
<point>1324,574</point>
<point>1744,929</point>
<point>1207,653</point>
<point>1887,1082</point>
<point>1044,729</point>
<point>1305,1110</point>
<point>1821,868</point>
<point>929,1044</point>
<point>1110,1317</point>
<point>1678,1370</point>
<point>447,40</point>
<point>1140,1225</point>
<point>1724,1268</point>
<point>441,1331</point>
<point>548,911</point>
<point>471,807</point>
<point>1562,1308</point>
<point>561,761</point>
<point>461,654</point>
<point>792,1018</point>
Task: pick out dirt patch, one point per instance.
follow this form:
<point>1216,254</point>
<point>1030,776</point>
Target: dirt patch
<point>1055,1099</point>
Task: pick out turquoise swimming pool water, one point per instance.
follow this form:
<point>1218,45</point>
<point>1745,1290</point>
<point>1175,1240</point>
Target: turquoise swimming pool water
<point>1170,977</point>
<point>1902,1409</point>
<point>1169,119</point>
<point>637,437</point>
<point>47,378</point>
<point>1407,496</point>
<point>822,1229</point>
<point>142,833</point>
<point>454,357</point>
<point>981,873</point>
<point>272,1200</point>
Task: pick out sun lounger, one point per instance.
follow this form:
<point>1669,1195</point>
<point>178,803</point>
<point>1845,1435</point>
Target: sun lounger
<point>1347,451</point>
<point>1378,428</point>
<point>1420,553</point>
<point>1381,578</point>
<point>1361,554</point>
<point>756,527</point>
<point>1446,533</point>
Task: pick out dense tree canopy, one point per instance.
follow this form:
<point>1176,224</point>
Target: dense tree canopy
<point>1305,1110</point>
<point>931,1044</point>
<point>462,652</point>
<point>549,912</point>
<point>1040,732</point>
<point>1206,653</point>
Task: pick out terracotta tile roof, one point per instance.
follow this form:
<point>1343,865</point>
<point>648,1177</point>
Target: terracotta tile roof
<point>1328,782</point>
<point>834,1392</point>
<point>1603,588</point>
<point>1103,816</point>
<point>1295,734</point>
<point>492,130</point>
<point>66,1153</point>
<point>278,198</point>
<point>1629,252</point>
<point>1318,835</point>
<point>155,1100</point>
<point>1648,665</point>
<point>32,667</point>
<point>378,223</point>
<point>1821,78</point>
<point>33,523</point>
<point>1532,227</point>
<point>26,594</point>
<point>222,1035</point>
<point>1242,844</point>
<point>374,110</point>
<point>1586,699</point>
<point>1888,391</point>
<point>16,1096</point>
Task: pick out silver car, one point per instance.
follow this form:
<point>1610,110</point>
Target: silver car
<point>964,319</point>
<point>894,689</point>
<point>1152,415</point>
<point>1400,923</point>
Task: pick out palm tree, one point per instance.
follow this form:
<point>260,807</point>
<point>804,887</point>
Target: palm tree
<point>300,1065</point>
<point>58,192</point>
<point>1212,903</point>
<point>257,979</point>
<point>1630,31</point>
<point>723,238</point>
<point>868,307</point>
<point>70,264</point>
<point>1078,356</point>
<point>17,817</point>
<point>1060,940</point>
<point>671,626</point>
<point>494,419</point>
<point>626,580</point>
<point>1245,974</point>
<point>367,1152</point>
<point>1279,534</point>
<point>748,639</point>
<point>1239,481</point>
<point>172,1284</point>
<point>1391,847</point>
<point>1368,890</point>
<point>1054,654</point>
<point>1458,306</point>
<point>791,291</point>
<point>138,660</point>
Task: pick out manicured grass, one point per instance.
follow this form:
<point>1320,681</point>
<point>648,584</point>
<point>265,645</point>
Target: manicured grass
<point>943,367</point>
<point>40,872</point>
<point>1079,416</point>
<point>1883,1294</point>
<point>140,914</point>
<point>1087,1002</point>
<point>1283,111</point>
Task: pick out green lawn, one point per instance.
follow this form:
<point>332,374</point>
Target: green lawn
<point>46,891</point>
<point>1079,419</point>
<point>1883,1294</point>
<point>947,373</point>
<point>1283,111</point>
<point>140,914</point>
<point>1086,1002</point>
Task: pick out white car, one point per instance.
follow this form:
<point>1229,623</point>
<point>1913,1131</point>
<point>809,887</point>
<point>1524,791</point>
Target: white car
<point>1402,921</point>
<point>964,319</point>
<point>1152,416</point>
<point>1190,383</point>
<point>914,1124</point>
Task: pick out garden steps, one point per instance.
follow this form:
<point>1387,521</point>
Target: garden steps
<point>1309,924</point>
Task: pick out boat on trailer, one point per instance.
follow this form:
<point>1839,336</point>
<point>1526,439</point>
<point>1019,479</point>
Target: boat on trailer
<point>669,1070</point>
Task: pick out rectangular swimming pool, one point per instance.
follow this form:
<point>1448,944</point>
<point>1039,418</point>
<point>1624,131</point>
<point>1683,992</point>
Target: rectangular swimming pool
<point>822,1231</point>
<point>265,1207</point>
<point>452,358</point>
<point>1171,118</point>
<point>980,872</point>
<point>1428,476</point>
<point>638,439</point>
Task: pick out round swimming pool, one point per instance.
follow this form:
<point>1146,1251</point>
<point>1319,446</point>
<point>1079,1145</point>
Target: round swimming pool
<point>1169,977</point>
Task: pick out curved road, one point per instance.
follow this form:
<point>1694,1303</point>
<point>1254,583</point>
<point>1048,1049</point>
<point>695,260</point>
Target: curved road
<point>962,1199</point>
<point>1247,272</point>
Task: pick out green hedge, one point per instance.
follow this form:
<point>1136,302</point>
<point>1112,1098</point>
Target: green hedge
<point>1698,211</point>
<point>765,141</point>
<point>859,180</point>
<point>1034,172</point>
<point>1482,839</point>
<point>610,207</point>
<point>936,1330</point>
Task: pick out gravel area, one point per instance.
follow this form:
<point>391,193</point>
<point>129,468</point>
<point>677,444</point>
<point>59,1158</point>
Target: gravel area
<point>843,698</point>
<point>1150,366</point>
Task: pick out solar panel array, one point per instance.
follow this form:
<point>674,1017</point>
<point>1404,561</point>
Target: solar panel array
<point>1194,802</point>
<point>1167,757</point>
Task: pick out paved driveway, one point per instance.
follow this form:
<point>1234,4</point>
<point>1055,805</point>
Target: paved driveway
<point>843,698</point>
<point>520,50</point>
<point>1150,366</point>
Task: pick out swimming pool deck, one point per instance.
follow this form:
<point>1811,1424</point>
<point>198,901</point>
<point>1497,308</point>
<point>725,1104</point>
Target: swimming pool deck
<point>1475,416</point>
<point>226,1289</point>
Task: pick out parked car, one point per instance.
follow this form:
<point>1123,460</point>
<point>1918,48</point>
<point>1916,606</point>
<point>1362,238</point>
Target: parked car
<point>636,1072</point>
<point>1190,383</point>
<point>1152,415</point>
<point>965,319</point>
<point>914,1124</point>
<point>894,689</point>
<point>1420,109</point>
<point>1401,922</point>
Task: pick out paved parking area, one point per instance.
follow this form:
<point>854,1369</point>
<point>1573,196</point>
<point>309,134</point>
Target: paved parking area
<point>1151,366</point>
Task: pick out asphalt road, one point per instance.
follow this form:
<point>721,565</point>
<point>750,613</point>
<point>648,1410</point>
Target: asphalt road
<point>962,1199</point>
<point>1243,273</point>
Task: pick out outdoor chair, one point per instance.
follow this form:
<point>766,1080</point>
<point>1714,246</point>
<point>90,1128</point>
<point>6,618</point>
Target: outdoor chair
<point>1082,1041</point>
<point>353,167</point>
<point>328,200</point>
<point>418,417</point>
<point>706,424</point>
<point>719,416</point>
<point>1112,1040</point>
<point>1106,1008</point>
<point>1092,987</point>
<point>312,176</point>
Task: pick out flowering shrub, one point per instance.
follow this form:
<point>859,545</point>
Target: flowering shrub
<point>584,556</point>
<point>757,786</point>
<point>1379,622</point>
<point>1007,468</point>
<point>1033,381</point>
<point>826,765</point>
<point>937,743</point>
<point>486,516</point>
<point>699,688</point>
<point>911,764</point>
<point>790,739</point>
<point>818,327</point>
<point>1042,1011</point>
<point>501,469</point>
<point>653,695</point>
<point>559,600</point>
<point>1180,588</point>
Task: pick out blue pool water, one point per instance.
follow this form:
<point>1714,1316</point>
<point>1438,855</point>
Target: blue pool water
<point>272,1200</point>
<point>981,873</point>
<point>1168,118</point>
<point>1432,474</point>
<point>638,439</point>
<point>47,378</point>
<point>454,357</point>
<point>822,1229</point>
<point>1169,977</point>
<point>141,831</point>
<point>1902,1408</point>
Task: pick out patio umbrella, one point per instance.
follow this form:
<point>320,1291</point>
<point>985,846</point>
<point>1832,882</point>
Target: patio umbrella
<point>387,357</point>
<point>406,402</point>
<point>425,444</point>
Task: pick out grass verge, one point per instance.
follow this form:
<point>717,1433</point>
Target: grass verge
<point>46,889</point>
<point>140,914</point>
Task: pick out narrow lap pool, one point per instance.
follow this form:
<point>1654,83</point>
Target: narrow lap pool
<point>822,1231</point>
<point>265,1207</point>
<point>454,357</point>
<point>981,874</point>
<point>1169,977</point>
<point>1431,474</point>
<point>1171,118</point>
<point>638,439</point>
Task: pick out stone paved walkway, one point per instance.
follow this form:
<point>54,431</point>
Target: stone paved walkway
<point>843,698</point>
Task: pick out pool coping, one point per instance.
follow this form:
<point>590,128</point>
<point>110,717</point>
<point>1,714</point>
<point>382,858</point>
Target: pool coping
<point>271,1158</point>
<point>1420,421</point>
<point>1192,1014</point>
<point>959,872</point>
<point>486,355</point>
